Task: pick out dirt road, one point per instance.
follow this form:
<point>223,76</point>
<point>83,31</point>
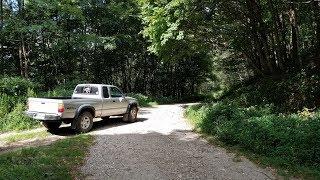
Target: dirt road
<point>161,145</point>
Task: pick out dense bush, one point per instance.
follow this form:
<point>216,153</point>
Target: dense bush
<point>16,120</point>
<point>291,139</point>
<point>62,90</point>
<point>14,92</point>
<point>15,86</point>
<point>288,94</point>
<point>144,101</point>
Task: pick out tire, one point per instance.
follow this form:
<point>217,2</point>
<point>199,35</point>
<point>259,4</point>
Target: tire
<point>84,122</point>
<point>131,116</point>
<point>52,126</point>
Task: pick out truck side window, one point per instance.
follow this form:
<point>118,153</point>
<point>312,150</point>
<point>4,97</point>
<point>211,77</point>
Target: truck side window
<point>90,90</point>
<point>115,92</point>
<point>105,92</point>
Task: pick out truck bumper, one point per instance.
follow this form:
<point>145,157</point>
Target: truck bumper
<point>43,116</point>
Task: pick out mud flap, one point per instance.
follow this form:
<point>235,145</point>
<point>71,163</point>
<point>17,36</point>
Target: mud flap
<point>73,123</point>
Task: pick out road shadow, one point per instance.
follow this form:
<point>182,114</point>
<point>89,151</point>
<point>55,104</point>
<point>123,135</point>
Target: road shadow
<point>97,126</point>
<point>179,154</point>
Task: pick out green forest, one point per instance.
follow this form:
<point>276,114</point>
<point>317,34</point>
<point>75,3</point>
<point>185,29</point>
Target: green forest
<point>253,64</point>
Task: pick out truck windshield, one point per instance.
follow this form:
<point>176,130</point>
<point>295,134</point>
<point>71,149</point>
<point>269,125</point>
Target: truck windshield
<point>90,90</point>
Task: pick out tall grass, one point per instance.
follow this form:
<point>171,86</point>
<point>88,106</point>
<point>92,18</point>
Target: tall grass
<point>13,95</point>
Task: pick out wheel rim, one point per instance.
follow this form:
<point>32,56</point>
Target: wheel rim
<point>85,123</point>
<point>133,112</point>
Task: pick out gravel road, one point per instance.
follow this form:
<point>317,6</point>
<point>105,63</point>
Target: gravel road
<point>161,145</point>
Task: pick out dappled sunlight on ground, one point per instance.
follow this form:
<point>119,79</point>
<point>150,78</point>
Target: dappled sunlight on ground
<point>161,145</point>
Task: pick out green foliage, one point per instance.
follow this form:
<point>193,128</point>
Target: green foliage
<point>14,92</point>
<point>288,94</point>
<point>56,161</point>
<point>62,90</point>
<point>287,141</point>
<point>100,42</point>
<point>16,120</point>
<point>5,105</point>
<point>15,86</point>
<point>144,101</point>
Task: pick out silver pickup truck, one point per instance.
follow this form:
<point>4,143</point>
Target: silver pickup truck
<point>87,102</point>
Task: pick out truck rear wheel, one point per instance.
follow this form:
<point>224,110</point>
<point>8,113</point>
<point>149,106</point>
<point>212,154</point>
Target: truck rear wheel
<point>131,116</point>
<point>52,126</point>
<point>84,122</point>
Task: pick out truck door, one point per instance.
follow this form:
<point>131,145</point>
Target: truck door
<point>113,102</point>
<point>106,102</point>
<point>118,101</point>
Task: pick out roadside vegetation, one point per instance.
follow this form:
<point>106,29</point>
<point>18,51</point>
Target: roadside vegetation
<point>276,129</point>
<point>56,161</point>
<point>13,96</point>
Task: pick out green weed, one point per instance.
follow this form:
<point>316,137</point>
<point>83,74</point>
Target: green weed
<point>287,141</point>
<point>55,161</point>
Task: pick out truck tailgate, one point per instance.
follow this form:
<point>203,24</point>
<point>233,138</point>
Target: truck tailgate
<point>43,105</point>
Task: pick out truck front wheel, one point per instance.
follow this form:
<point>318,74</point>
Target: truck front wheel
<point>52,126</point>
<point>84,122</point>
<point>131,116</point>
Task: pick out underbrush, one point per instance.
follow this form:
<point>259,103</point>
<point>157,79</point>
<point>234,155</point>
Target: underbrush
<point>290,142</point>
<point>13,96</point>
<point>288,94</point>
<point>144,101</point>
<point>264,123</point>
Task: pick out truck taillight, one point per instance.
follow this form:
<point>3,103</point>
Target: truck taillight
<point>60,108</point>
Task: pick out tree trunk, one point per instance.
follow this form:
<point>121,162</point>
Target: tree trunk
<point>316,7</point>
<point>1,14</point>
<point>294,35</point>
<point>279,47</point>
<point>26,59</point>
<point>21,61</point>
<point>259,35</point>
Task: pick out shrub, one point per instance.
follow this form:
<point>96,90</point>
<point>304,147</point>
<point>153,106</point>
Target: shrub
<point>5,105</point>
<point>144,101</point>
<point>16,120</point>
<point>15,86</point>
<point>59,92</point>
<point>292,138</point>
<point>288,94</point>
<point>14,92</point>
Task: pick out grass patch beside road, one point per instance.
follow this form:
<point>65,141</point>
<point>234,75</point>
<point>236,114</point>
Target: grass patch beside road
<point>24,136</point>
<point>55,161</point>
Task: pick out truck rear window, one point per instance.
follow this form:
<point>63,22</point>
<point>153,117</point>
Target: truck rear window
<point>92,90</point>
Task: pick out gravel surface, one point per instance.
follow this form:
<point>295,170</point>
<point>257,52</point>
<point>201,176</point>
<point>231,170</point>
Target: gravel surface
<point>161,145</point>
